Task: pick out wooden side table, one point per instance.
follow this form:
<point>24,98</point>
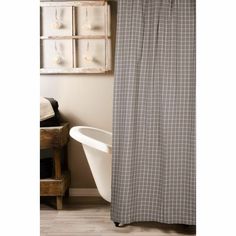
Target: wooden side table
<point>56,138</point>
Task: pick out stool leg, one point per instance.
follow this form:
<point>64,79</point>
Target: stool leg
<point>59,202</point>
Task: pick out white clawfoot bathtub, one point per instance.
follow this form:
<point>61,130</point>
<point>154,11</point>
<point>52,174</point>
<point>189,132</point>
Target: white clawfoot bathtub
<point>97,145</point>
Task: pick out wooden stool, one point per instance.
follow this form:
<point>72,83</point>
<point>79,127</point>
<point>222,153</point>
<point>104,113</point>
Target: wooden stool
<point>56,138</point>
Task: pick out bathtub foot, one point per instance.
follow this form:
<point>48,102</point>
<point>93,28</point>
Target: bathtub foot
<point>117,224</point>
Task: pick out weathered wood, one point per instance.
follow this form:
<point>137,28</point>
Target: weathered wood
<point>57,139</point>
<point>54,137</point>
<point>55,187</point>
<point>105,32</point>
<point>76,37</point>
<point>41,43</point>
<point>74,67</point>
<point>59,203</point>
<point>73,3</point>
<point>73,40</point>
<point>72,70</point>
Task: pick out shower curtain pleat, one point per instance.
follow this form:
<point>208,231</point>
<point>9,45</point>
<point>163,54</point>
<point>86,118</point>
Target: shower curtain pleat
<point>153,159</point>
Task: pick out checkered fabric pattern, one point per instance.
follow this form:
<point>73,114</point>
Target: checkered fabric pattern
<point>153,165</point>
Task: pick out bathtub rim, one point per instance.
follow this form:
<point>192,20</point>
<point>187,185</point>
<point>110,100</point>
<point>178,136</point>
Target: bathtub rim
<point>91,142</point>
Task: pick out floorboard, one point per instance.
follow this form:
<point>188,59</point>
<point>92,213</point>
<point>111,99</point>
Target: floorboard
<point>90,216</point>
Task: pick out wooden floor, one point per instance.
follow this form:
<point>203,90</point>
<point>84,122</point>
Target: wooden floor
<point>91,217</point>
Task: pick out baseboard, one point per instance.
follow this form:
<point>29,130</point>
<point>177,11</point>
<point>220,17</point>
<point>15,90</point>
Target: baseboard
<point>84,192</point>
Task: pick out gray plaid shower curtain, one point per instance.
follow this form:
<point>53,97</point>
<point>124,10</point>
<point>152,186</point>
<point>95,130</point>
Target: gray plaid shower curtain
<point>153,162</point>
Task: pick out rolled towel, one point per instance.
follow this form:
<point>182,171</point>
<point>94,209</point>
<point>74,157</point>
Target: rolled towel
<point>46,110</point>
